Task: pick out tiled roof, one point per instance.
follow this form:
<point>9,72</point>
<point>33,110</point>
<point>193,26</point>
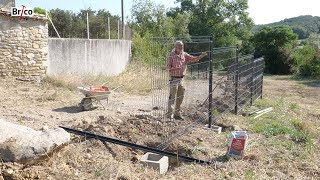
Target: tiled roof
<point>40,17</point>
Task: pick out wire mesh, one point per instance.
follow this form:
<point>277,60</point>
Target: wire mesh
<point>236,82</point>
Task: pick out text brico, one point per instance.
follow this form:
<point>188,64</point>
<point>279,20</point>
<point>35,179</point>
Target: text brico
<point>22,12</point>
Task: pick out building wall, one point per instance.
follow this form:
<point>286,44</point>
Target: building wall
<point>83,56</point>
<point>23,47</point>
<point>7,4</point>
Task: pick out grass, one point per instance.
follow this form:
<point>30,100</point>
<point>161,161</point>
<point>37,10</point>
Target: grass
<point>135,79</point>
<point>294,106</point>
<point>282,122</point>
<point>249,174</point>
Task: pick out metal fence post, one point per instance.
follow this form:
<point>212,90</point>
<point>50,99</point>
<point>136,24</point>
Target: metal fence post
<point>237,81</point>
<point>251,83</point>
<point>210,83</point>
<point>262,79</point>
<point>198,71</point>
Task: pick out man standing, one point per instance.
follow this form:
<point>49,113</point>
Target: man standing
<point>176,65</point>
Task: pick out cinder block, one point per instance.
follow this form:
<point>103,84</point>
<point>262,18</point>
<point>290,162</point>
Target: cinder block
<point>156,161</point>
<point>216,129</point>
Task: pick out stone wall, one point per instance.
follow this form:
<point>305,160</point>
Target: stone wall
<point>7,4</point>
<point>23,47</point>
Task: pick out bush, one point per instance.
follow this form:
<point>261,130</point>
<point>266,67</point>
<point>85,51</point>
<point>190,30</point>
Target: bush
<point>311,69</point>
<point>302,55</point>
<point>39,10</point>
<point>149,51</point>
<point>307,61</point>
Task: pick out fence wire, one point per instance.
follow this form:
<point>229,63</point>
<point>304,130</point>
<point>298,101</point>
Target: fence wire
<point>234,81</point>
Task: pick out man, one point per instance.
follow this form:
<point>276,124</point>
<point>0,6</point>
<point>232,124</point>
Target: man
<point>176,65</point>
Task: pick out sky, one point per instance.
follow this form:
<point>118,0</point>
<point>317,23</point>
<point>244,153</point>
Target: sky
<point>261,11</point>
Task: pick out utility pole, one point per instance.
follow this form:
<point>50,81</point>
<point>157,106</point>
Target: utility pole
<point>122,14</point>
<point>88,26</point>
<point>118,29</point>
<point>109,26</point>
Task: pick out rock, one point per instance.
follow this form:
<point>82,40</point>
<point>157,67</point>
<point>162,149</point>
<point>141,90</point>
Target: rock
<point>101,118</point>
<point>89,150</point>
<point>119,121</point>
<point>8,172</point>
<point>219,165</point>
<point>200,139</point>
<point>1,177</point>
<point>30,56</point>
<point>156,108</point>
<point>89,156</point>
<point>44,128</point>
<point>24,145</point>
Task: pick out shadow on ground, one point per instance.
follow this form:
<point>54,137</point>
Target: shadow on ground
<point>70,109</point>
<point>302,80</point>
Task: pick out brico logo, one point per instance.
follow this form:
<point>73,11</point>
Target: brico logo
<point>22,12</point>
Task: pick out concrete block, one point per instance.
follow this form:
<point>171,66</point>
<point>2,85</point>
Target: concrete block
<point>216,129</point>
<point>156,161</point>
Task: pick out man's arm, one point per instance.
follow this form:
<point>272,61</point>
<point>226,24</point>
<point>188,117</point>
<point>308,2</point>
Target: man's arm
<point>190,58</point>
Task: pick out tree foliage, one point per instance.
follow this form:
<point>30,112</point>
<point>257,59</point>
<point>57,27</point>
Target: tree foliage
<point>307,61</point>
<point>275,44</point>
<point>227,21</point>
<point>302,25</point>
<point>147,17</point>
<point>72,25</point>
<point>39,10</point>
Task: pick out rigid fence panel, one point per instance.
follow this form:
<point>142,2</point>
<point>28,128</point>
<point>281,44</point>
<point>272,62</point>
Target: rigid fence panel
<point>88,56</point>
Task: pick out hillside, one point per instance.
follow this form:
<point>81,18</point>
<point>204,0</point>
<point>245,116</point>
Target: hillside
<point>302,25</point>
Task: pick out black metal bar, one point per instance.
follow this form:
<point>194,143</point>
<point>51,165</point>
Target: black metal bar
<point>251,84</point>
<point>134,146</point>
<point>262,78</point>
<point>210,84</point>
<point>237,82</point>
<point>198,71</point>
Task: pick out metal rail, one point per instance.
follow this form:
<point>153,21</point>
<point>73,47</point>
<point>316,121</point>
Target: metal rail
<point>134,146</point>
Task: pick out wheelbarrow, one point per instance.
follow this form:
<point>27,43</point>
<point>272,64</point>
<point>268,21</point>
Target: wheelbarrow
<point>93,95</point>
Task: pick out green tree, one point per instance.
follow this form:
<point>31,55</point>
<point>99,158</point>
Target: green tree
<point>303,56</point>
<point>301,32</point>
<point>63,21</point>
<point>227,21</point>
<point>307,61</point>
<point>71,25</point>
<point>39,10</point>
<point>275,44</point>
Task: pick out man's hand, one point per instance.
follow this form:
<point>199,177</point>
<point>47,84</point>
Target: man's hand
<point>202,55</point>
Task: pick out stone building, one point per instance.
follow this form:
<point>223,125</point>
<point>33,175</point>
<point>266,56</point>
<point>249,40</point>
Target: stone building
<point>23,44</point>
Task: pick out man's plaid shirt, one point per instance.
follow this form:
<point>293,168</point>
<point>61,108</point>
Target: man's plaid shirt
<point>177,63</point>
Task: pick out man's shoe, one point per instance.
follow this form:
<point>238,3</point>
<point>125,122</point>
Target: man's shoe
<point>178,117</point>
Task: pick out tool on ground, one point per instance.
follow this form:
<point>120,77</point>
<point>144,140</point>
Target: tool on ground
<point>94,94</point>
<point>262,112</point>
